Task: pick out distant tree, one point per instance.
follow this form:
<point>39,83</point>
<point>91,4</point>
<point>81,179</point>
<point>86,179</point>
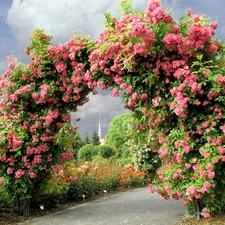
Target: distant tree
<point>87,152</point>
<point>118,134</point>
<point>106,150</point>
<point>95,138</point>
<point>87,140</point>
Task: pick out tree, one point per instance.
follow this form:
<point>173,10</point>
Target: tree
<point>87,140</point>
<point>118,134</point>
<point>95,138</point>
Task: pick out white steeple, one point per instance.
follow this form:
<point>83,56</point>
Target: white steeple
<point>99,128</point>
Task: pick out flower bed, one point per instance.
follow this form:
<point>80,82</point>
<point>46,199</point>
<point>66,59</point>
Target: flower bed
<point>76,183</point>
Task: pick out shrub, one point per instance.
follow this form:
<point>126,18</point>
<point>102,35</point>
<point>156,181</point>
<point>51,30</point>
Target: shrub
<point>87,152</point>
<point>106,150</point>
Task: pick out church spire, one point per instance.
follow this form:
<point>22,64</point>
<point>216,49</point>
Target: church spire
<point>99,128</point>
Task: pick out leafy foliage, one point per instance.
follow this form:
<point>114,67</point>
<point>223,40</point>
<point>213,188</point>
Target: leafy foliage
<point>87,152</point>
<point>118,133</point>
<point>105,150</point>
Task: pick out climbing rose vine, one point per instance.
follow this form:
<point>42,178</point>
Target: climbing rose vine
<point>172,75</point>
<point>35,112</point>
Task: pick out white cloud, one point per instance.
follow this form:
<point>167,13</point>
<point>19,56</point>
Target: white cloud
<point>60,18</point>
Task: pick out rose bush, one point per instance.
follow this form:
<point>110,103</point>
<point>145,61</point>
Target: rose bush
<point>37,100</point>
<point>172,74</point>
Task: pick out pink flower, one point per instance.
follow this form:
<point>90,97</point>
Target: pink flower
<point>144,96</point>
<point>215,161</point>
<point>191,191</point>
<point>115,92</point>
<point>32,175</point>
<point>214,25</point>
<point>101,85</point>
<point>67,156</point>
<point>9,170</point>
<point>196,166</point>
<point>124,86</point>
<point>151,188</point>
<point>223,158</point>
<point>35,138</point>
<point>175,176</point>
<point>188,165</point>
<point>197,102</point>
<point>207,185</point>
<point>152,5</point>
<point>158,15</point>
<point>163,153</point>
<point>205,124</point>
<point>209,167</point>
<point>206,155</point>
<point>60,67</point>
<point>66,98</point>
<point>135,96</point>
<point>48,120</point>
<point>19,173</point>
<point>156,101</point>
<point>212,196</point>
<point>44,90</point>
<point>55,168</point>
<point>179,194</point>
<point>185,202</point>
<point>202,174</point>
<point>37,159</point>
<point>129,89</point>
<point>221,150</point>
<point>205,215</point>
<point>33,129</point>
<point>211,175</point>
<point>187,149</point>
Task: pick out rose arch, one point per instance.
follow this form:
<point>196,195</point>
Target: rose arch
<point>173,78</point>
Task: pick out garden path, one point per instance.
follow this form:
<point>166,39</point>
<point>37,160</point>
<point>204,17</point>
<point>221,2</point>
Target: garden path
<point>135,207</point>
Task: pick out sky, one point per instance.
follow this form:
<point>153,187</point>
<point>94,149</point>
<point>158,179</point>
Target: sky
<point>60,18</point>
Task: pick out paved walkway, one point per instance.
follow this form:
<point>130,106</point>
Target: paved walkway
<point>135,207</point>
